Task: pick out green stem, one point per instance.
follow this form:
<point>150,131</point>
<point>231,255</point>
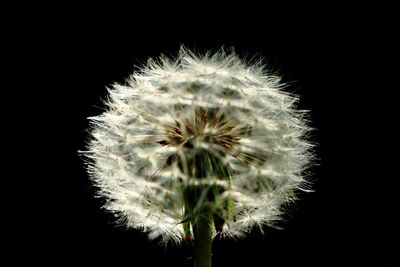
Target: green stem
<point>202,230</point>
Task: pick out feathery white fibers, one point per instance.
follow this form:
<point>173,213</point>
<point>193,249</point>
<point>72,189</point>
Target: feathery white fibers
<point>144,147</point>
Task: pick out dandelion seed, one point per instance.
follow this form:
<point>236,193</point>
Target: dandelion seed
<point>200,144</point>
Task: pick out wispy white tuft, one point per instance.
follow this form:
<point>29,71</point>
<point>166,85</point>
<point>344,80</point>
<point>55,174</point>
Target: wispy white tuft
<point>145,146</point>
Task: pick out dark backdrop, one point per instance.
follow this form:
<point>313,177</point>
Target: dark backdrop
<point>325,55</point>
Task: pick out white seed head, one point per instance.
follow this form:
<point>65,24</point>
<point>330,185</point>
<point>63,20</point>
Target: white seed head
<point>210,122</point>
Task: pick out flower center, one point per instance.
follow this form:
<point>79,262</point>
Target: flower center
<point>207,129</point>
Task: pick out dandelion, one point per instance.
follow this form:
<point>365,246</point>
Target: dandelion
<point>199,146</point>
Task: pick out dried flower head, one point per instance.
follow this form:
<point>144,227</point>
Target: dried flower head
<point>199,135</point>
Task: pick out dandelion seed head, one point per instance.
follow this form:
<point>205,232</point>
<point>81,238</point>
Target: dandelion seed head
<point>213,122</point>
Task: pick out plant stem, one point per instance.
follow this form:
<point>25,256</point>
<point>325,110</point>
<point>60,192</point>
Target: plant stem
<point>202,231</point>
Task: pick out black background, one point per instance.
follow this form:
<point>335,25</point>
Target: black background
<point>327,56</point>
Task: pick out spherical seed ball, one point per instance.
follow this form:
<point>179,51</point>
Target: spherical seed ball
<point>199,133</point>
